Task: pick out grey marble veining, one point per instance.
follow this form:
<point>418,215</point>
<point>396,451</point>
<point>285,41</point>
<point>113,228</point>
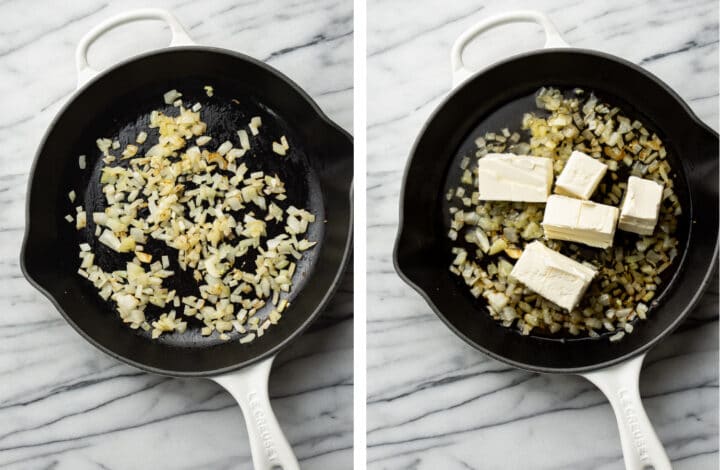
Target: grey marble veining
<point>65,405</point>
<point>433,402</point>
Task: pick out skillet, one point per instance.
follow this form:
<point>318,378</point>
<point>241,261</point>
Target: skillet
<point>497,97</point>
<point>117,102</point>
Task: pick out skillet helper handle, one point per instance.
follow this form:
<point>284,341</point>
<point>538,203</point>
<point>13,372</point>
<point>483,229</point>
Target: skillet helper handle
<point>642,450</point>
<point>460,72</point>
<point>249,386</point>
<point>179,37</point>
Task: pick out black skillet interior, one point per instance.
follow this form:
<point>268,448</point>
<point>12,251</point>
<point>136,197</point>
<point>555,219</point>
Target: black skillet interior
<point>490,101</point>
<point>317,173</point>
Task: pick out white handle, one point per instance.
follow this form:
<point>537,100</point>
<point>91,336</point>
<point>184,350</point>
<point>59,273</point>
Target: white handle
<point>460,72</point>
<point>179,36</point>
<point>642,450</point>
<point>249,386</point>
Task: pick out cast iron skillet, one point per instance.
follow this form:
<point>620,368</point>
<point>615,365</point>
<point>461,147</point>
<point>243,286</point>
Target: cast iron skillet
<point>497,97</point>
<point>317,173</point>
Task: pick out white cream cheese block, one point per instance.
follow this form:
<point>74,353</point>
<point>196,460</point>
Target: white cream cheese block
<point>580,176</point>
<point>558,278</point>
<point>640,206</point>
<point>580,221</point>
<point>508,177</point>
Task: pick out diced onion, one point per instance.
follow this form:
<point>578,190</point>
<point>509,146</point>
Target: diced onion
<point>244,139</point>
<point>255,124</point>
<point>171,96</point>
<point>211,210</point>
<point>224,147</point>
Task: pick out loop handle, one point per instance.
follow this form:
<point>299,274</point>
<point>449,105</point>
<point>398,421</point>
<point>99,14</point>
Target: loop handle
<point>180,36</point>
<point>552,37</point>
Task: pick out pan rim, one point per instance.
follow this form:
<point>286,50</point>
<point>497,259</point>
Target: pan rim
<point>316,111</point>
<point>436,113</point>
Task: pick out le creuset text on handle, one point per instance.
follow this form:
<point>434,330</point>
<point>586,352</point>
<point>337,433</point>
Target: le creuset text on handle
<point>249,387</point>
<point>642,450</point>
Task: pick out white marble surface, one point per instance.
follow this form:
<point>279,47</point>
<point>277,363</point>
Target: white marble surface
<point>63,404</point>
<point>433,401</point>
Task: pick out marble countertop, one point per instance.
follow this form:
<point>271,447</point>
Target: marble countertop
<point>65,405</point>
<point>433,402</point>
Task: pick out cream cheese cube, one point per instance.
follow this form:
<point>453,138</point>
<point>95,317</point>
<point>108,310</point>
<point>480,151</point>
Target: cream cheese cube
<point>581,176</point>
<point>557,277</point>
<point>640,206</point>
<point>508,177</point>
<point>580,221</point>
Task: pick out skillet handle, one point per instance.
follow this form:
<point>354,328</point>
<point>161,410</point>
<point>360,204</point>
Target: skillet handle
<point>249,386</point>
<point>179,37</point>
<point>642,450</point>
<point>460,72</point>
